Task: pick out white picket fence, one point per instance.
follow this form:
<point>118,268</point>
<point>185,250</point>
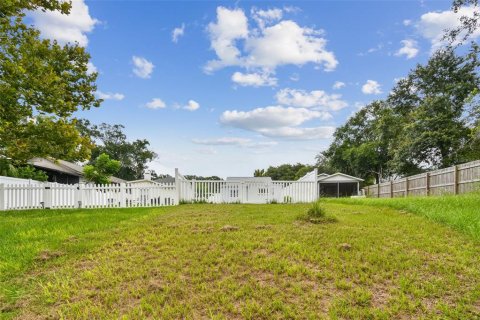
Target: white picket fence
<point>63,196</point>
<point>28,194</point>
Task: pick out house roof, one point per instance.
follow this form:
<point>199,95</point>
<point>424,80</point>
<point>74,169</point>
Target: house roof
<point>63,166</point>
<point>337,177</point>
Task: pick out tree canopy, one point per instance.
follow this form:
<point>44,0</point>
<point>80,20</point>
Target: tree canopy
<point>111,140</point>
<point>42,85</point>
<point>101,170</point>
<point>284,171</point>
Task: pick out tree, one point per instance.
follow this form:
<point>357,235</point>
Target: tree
<point>431,105</point>
<point>101,170</point>
<point>285,171</point>
<point>42,84</point>
<point>361,146</point>
<point>111,140</point>
<point>259,173</point>
<point>7,169</point>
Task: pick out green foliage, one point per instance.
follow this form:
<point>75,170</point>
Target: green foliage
<point>101,170</point>
<point>29,172</point>
<point>111,140</point>
<point>42,84</point>
<point>284,171</point>
<point>194,177</point>
<point>7,169</point>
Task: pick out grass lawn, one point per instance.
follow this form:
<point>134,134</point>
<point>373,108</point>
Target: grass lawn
<point>236,261</point>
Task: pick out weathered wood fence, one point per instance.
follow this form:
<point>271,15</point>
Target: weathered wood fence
<point>458,179</point>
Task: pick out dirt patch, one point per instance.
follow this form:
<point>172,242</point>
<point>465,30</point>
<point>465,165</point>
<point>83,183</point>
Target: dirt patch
<point>262,227</point>
<point>227,228</point>
<point>380,295</point>
<point>345,247</point>
<point>48,255</point>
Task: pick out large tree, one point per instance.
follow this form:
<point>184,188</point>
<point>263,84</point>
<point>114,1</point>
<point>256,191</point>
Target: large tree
<point>434,104</point>
<point>42,84</point>
<point>111,140</point>
<point>361,146</point>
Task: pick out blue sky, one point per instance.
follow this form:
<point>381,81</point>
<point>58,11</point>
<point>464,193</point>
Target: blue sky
<point>223,88</point>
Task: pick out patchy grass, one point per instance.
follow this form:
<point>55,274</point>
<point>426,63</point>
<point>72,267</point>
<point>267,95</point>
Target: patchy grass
<point>241,261</point>
<point>461,212</point>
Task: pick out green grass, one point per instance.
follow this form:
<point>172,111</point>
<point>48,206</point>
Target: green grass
<point>236,261</point>
<point>460,212</point>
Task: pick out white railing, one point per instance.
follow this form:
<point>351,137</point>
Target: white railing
<point>37,195</point>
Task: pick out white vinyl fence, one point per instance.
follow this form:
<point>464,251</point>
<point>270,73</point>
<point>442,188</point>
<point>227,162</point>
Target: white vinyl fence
<point>29,194</point>
<point>64,196</point>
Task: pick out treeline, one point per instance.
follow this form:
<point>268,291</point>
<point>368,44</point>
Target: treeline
<point>430,120</point>
<point>284,171</point>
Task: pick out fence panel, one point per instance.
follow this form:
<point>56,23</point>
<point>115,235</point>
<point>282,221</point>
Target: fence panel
<point>462,178</point>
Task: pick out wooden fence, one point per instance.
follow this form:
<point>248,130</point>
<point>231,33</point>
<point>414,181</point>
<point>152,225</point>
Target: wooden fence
<point>458,179</point>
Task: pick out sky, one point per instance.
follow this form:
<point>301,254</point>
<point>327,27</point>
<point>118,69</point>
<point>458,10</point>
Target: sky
<point>224,88</point>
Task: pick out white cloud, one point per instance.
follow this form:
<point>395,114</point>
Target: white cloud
<point>254,79</point>
<point>231,25</point>
<point>266,48</point>
<point>432,25</point>
<point>409,49</point>
<point>371,87</point>
<point>277,121</point>
<point>192,105</point>
<point>91,68</point>
<point>225,141</point>
<point>299,133</point>
<point>178,32</point>
<point>314,99</point>
<point>235,141</point>
<point>268,117</point>
<point>109,95</point>
<point>338,85</point>
<point>142,67</point>
<point>266,17</point>
<point>65,28</point>
<point>407,22</point>
<point>156,103</point>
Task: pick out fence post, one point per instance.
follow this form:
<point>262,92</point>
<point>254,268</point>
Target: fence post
<point>427,183</point>
<point>391,188</point>
<point>47,196</point>
<point>455,179</point>
<point>79,196</point>
<point>406,186</point>
<point>177,186</point>
<point>2,197</point>
<point>123,195</point>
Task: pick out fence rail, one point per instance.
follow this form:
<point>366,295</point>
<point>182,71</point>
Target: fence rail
<point>462,178</point>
